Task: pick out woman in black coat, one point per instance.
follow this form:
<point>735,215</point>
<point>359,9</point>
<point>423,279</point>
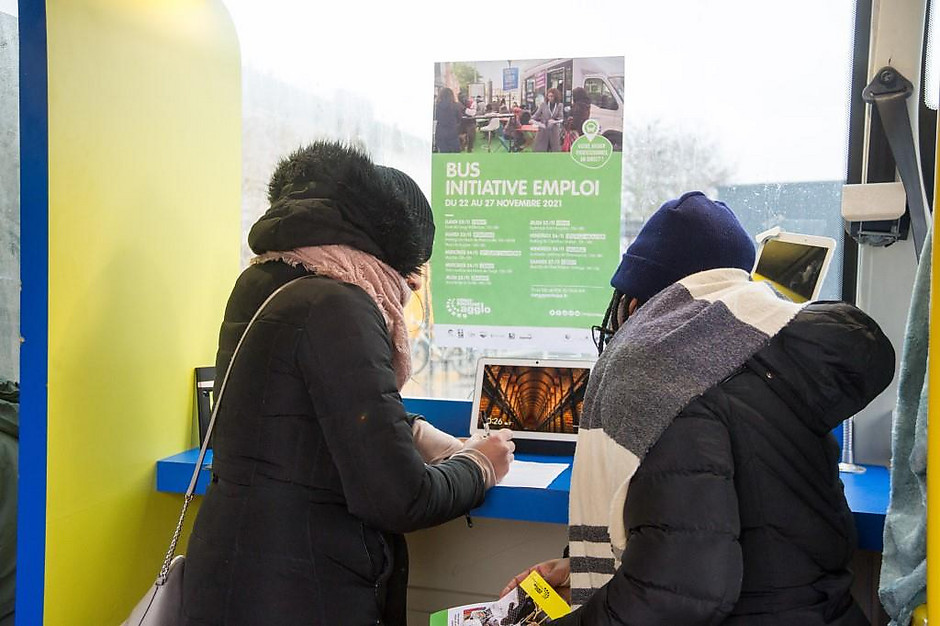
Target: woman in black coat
<point>705,488</point>
<point>317,469</point>
<point>580,109</point>
<point>448,115</point>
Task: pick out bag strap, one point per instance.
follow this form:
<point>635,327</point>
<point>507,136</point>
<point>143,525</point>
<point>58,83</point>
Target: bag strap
<point>165,569</point>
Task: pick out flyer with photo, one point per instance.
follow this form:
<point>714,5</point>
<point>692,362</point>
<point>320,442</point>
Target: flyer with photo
<point>526,191</point>
<point>533,603</point>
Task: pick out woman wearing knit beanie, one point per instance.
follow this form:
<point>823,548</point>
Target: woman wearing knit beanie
<point>705,487</point>
<point>317,468</point>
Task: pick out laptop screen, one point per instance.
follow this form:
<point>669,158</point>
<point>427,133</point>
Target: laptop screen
<point>536,399</point>
<point>797,269</point>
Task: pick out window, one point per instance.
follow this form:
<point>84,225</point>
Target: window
<point>9,194</point>
<point>705,107</point>
<point>931,85</point>
<point>556,80</point>
<point>600,94</point>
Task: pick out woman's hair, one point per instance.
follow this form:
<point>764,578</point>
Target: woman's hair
<point>556,92</point>
<point>580,94</point>
<point>611,323</point>
<point>445,95</point>
<point>605,331</point>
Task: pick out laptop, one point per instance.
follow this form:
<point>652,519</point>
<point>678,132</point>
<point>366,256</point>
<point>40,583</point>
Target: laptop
<point>794,264</point>
<point>538,399</point>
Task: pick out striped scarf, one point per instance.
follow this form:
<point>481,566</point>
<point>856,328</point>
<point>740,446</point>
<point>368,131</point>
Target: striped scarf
<point>684,341</point>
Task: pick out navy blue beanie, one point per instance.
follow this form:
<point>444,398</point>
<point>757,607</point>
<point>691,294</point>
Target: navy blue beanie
<point>684,236</point>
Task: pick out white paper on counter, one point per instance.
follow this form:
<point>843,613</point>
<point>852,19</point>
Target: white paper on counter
<point>532,474</point>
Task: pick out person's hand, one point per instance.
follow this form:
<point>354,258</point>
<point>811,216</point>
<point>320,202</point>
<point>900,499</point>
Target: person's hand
<point>556,573</point>
<point>497,448</point>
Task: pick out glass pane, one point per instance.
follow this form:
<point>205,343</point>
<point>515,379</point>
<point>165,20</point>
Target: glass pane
<point>9,195</point>
<point>9,299</point>
<point>708,104</point>
<point>600,94</point>
<point>932,58</point>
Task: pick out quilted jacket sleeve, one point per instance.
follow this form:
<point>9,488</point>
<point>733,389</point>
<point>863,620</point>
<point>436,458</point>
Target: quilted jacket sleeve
<point>683,562</point>
<point>346,359</point>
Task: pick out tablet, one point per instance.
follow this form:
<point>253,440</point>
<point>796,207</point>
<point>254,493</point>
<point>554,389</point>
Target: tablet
<point>794,264</point>
<point>535,398</point>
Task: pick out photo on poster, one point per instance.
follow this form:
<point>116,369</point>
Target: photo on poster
<point>535,105</point>
<point>524,244</point>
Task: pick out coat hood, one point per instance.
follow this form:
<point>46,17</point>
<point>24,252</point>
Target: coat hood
<point>831,361</point>
<point>329,193</point>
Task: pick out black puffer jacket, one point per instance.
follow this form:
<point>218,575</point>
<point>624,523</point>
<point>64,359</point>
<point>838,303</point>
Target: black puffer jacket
<point>737,515</point>
<point>315,470</point>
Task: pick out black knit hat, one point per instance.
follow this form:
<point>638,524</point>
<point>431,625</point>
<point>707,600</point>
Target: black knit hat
<point>328,193</point>
<point>414,198</point>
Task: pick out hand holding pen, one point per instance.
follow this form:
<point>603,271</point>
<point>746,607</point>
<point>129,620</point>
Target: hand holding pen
<point>497,449</point>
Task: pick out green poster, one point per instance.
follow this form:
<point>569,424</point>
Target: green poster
<point>528,222</point>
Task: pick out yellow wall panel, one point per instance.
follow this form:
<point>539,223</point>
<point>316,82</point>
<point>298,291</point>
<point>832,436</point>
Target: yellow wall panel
<point>144,230</point>
<point>933,402</point>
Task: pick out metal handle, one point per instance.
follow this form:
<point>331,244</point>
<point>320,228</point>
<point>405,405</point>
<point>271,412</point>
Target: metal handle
<point>848,464</point>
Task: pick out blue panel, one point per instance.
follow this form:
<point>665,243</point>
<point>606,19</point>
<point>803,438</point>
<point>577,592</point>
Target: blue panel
<point>451,416</point>
<point>34,313</point>
<point>175,472</point>
<point>867,494</point>
<point>531,505</point>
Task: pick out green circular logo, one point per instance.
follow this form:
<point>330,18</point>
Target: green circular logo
<point>592,152</point>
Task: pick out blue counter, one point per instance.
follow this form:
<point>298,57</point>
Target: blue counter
<point>867,493</point>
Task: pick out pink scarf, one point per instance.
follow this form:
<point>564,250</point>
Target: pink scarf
<point>384,285</point>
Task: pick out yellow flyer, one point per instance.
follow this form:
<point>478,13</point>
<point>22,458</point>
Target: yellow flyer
<point>533,603</point>
<point>546,598</point>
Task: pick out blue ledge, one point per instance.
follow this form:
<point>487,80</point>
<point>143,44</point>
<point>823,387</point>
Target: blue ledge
<point>867,493</point>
